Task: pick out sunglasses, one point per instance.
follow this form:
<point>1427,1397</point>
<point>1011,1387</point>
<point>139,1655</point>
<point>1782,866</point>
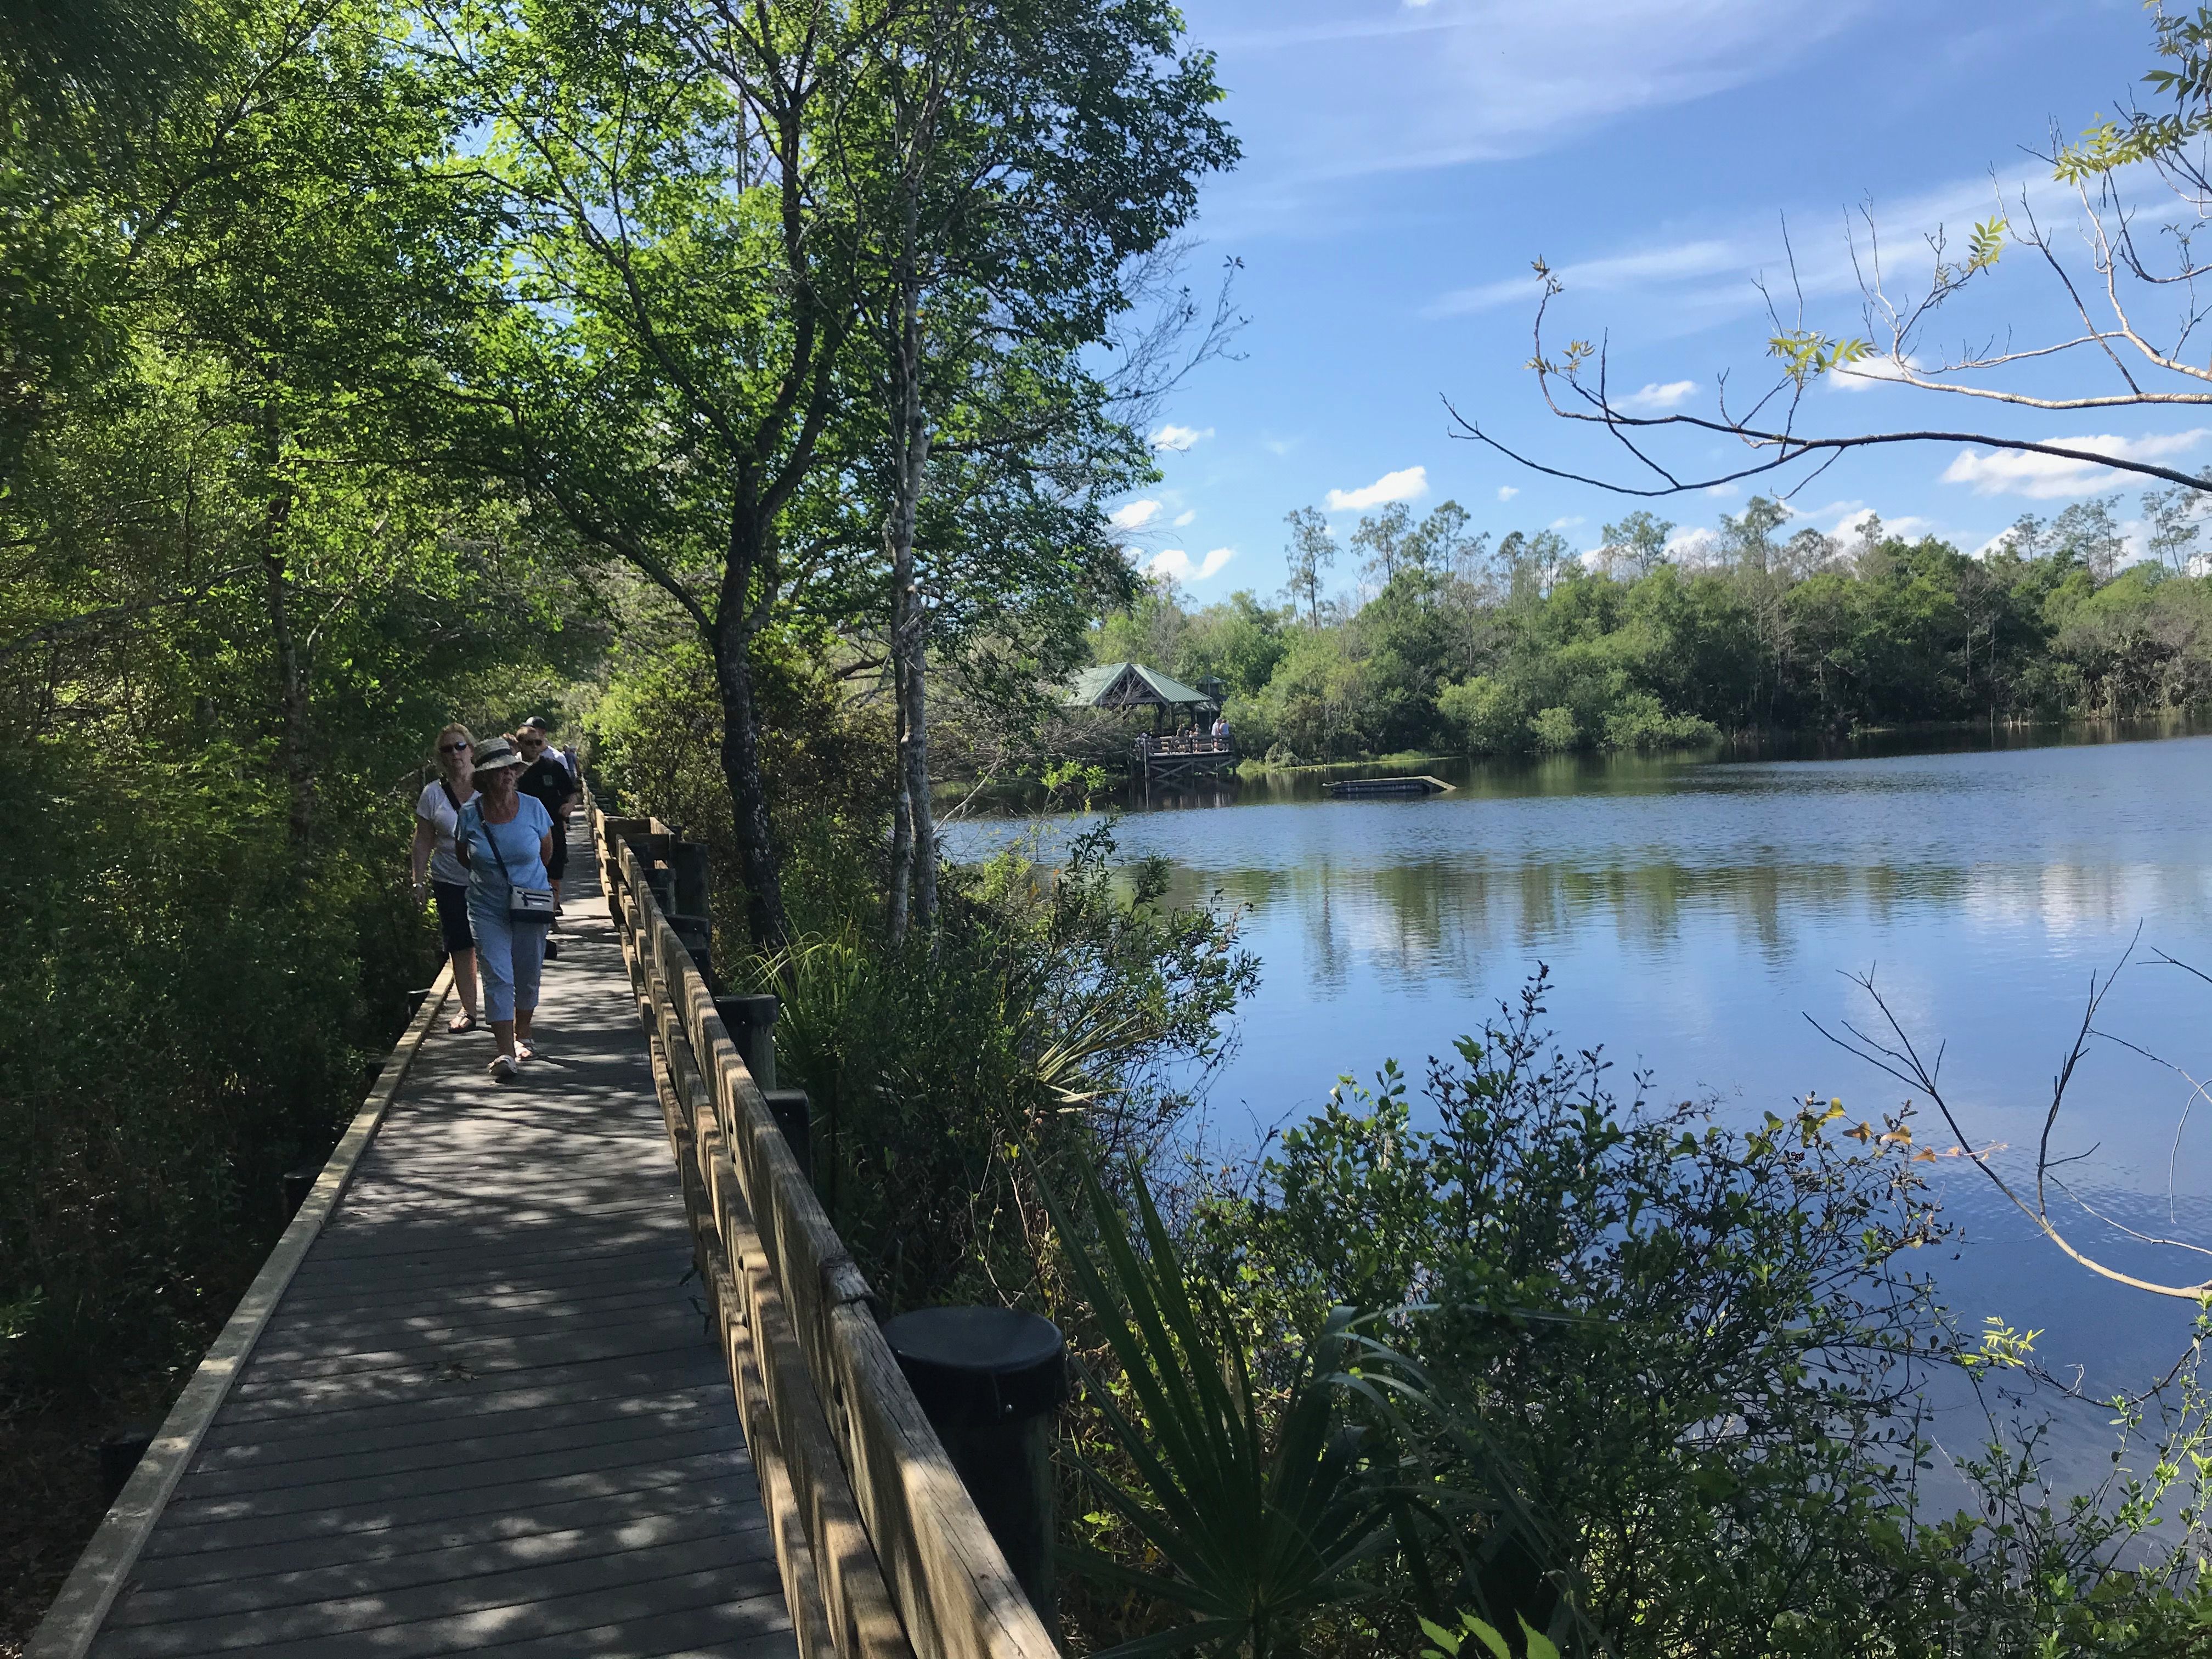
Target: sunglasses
<point>451,748</point>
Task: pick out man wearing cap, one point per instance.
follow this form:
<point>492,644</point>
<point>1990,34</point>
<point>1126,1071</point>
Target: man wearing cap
<point>546,780</point>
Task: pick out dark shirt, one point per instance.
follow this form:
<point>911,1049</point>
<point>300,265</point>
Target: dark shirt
<point>547,781</point>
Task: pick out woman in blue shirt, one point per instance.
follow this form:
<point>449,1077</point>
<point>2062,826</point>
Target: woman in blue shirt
<point>506,840</point>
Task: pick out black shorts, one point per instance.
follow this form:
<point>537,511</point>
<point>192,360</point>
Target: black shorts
<point>453,916</point>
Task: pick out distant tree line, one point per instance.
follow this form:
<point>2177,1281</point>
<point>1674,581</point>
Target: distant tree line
<point>1452,639</point>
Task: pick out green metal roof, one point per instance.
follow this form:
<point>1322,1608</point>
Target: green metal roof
<point>1130,685</point>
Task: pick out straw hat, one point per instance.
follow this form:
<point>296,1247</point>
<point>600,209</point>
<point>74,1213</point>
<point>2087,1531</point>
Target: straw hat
<point>497,755</point>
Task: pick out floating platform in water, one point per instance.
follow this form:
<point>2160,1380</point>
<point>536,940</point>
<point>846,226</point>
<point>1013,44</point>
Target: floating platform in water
<point>1362,788</point>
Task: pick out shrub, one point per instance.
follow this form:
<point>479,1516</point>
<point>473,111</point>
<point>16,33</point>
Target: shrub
<point>1638,722</point>
<point>1490,717</point>
<point>1553,731</point>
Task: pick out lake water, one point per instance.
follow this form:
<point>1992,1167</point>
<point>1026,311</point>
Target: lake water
<point>1693,915</point>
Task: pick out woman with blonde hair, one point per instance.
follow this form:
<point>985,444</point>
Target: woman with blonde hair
<point>437,813</point>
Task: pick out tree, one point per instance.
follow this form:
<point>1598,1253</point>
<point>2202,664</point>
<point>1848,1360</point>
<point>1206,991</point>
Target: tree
<point>1025,160</point>
<point>1637,543</point>
<point>1381,535</point>
<point>1312,550</point>
<point>669,303</point>
<point>1440,544</point>
<point>2124,275</point>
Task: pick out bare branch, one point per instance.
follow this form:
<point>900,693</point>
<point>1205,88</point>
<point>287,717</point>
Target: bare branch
<point>1895,1054</point>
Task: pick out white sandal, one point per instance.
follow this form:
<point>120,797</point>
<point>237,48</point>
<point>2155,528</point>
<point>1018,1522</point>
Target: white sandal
<point>502,1067</point>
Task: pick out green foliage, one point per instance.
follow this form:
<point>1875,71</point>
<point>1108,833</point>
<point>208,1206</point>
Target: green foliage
<point>1652,1387</point>
<point>1690,1347</point>
<point>1450,1642</point>
<point>1526,649</point>
<point>192,1012</point>
<point>1256,1518</point>
<point>1058,1011</point>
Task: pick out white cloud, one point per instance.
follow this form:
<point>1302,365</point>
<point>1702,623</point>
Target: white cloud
<point>1133,515</point>
<point>1905,526</point>
<point>1566,524</point>
<point>1179,438</point>
<point>1869,373</point>
<point>1328,90</point>
<point>1507,492</point>
<point>1692,548</point>
<point>1408,485</point>
<point>1685,261</point>
<point>1723,490</point>
<point>1174,562</point>
<point>2043,477</point>
<point>1185,518</point>
<point>1656,397</point>
<point>1280,446</point>
<point>1713,274</point>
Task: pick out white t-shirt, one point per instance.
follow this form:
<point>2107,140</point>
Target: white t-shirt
<point>434,809</point>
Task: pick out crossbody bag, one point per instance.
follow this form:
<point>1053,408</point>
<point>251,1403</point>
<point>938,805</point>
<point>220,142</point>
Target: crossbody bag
<point>527,907</point>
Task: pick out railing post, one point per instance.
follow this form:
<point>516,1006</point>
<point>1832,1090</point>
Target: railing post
<point>687,859</point>
<point>991,1382</point>
<point>751,1020</point>
<point>684,900</point>
<point>794,1115</point>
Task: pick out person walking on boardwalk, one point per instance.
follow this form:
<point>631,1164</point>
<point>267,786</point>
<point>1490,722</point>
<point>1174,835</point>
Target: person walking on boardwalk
<point>546,780</point>
<point>505,838</point>
<point>437,812</point>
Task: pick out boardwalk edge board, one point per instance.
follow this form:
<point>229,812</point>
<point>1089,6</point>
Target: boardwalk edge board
<point>78,1611</point>
<point>884,1535</point>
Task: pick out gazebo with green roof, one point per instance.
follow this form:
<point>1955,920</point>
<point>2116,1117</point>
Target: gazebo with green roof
<point>1119,685</point>
<point>1133,685</point>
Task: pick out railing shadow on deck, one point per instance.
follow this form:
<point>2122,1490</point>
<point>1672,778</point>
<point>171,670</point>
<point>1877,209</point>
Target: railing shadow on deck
<point>883,1554</point>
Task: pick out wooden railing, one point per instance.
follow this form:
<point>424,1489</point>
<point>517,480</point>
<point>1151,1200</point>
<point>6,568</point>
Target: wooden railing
<point>883,1554</point>
<point>1173,744</point>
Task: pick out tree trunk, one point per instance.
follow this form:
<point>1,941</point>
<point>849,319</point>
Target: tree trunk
<point>917,775</point>
<point>741,769</point>
<point>292,746</point>
<point>914,863</point>
<point>902,863</point>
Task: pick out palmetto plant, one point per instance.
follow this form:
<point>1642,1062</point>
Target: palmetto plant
<point>1257,1525</point>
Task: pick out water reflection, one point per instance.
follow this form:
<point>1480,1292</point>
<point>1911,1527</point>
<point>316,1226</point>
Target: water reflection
<point>1693,915</point>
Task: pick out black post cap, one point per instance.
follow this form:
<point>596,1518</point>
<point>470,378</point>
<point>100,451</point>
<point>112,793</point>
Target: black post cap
<point>980,1365</point>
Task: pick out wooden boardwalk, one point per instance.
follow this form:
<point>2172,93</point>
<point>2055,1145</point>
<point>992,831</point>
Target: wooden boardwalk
<point>486,1415</point>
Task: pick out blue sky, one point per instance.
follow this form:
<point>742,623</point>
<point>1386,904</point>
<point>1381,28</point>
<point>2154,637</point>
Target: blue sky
<point>1404,163</point>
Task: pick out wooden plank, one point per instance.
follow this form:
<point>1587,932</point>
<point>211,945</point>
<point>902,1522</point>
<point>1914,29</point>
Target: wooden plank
<point>254,1446</point>
<point>737,1503</point>
<point>859,1601</point>
<point>694,1468</point>
<point>365,1488</point>
<point>797,1561</point>
<point>743,1533</point>
<point>297,1337</point>
<point>292,1395</point>
<point>73,1620</point>
<point>776,1395</point>
<point>428,1619</point>
<point>957,1598</point>
<point>307,1406</point>
<point>447,1457</point>
<point>656,1327</point>
<point>704,1633</point>
<point>402,1276</point>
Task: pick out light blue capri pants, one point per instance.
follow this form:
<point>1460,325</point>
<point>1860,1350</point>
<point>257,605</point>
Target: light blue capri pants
<point>509,959</point>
